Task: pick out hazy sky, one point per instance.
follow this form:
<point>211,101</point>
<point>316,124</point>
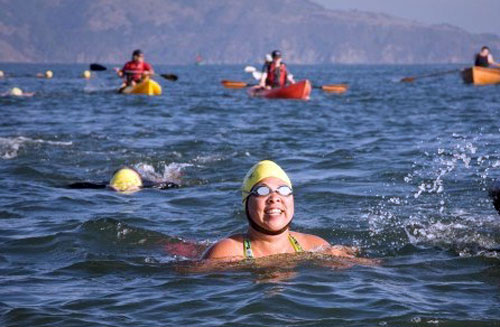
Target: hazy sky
<point>471,15</point>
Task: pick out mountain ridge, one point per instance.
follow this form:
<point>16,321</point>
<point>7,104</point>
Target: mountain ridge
<point>223,32</point>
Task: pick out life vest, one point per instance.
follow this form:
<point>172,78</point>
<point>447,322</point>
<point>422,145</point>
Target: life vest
<point>272,79</point>
<point>133,70</point>
<point>481,61</point>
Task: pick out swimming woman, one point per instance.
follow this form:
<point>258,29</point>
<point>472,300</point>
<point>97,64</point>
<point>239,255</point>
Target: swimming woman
<point>268,200</point>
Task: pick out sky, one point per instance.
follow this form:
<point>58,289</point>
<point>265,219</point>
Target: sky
<point>476,16</point>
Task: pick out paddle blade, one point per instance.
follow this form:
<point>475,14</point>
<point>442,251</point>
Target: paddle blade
<point>407,79</point>
<point>233,84</point>
<point>250,69</point>
<point>97,67</point>
<point>257,75</point>
<point>335,88</point>
<point>170,77</point>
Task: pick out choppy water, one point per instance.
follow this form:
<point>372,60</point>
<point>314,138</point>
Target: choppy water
<point>401,170</point>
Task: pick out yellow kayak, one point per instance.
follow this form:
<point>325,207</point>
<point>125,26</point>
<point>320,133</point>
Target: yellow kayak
<point>148,87</point>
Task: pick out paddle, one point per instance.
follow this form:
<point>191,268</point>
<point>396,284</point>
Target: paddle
<point>255,73</point>
<point>170,77</point>
<point>412,78</point>
<point>250,69</point>
<point>98,68</point>
<point>331,88</point>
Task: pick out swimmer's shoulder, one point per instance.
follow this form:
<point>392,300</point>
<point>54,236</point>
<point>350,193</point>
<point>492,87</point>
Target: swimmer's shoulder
<point>228,248</point>
<point>309,241</point>
<point>315,243</point>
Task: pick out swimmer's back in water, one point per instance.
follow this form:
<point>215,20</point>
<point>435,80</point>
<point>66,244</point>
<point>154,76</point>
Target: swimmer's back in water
<point>125,179</point>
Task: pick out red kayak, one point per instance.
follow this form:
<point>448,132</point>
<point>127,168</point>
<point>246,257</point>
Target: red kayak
<point>300,90</point>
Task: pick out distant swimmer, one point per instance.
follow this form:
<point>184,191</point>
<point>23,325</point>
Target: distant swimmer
<point>48,74</point>
<point>276,73</point>
<point>485,59</point>
<point>17,92</point>
<point>135,70</point>
<point>125,179</point>
<point>268,200</point>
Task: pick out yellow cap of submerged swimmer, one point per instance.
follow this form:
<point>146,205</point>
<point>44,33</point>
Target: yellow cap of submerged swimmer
<point>16,91</point>
<point>126,179</point>
<point>49,74</point>
<point>86,74</point>
<point>261,170</point>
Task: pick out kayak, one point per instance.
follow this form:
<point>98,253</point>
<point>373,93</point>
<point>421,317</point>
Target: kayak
<point>148,87</point>
<point>481,75</point>
<point>300,90</point>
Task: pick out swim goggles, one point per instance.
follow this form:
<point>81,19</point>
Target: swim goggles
<point>264,190</point>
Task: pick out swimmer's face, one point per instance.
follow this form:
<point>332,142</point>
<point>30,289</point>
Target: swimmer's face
<point>273,211</point>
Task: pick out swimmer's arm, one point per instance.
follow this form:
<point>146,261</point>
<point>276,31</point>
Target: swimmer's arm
<point>350,253</point>
<point>317,244</point>
<point>226,250</point>
<point>160,186</point>
<point>87,185</point>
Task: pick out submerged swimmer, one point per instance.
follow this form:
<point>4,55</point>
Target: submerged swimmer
<point>269,205</point>
<point>125,179</point>
<point>17,92</point>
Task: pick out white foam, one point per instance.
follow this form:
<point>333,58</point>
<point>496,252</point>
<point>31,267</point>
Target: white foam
<point>9,146</point>
<point>171,172</point>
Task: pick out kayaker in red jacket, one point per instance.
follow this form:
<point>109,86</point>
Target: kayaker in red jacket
<point>485,58</point>
<point>276,74</point>
<point>136,69</point>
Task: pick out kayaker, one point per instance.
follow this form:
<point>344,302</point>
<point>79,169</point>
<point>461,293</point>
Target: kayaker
<point>125,179</point>
<point>485,59</point>
<point>268,200</point>
<point>136,69</point>
<point>276,74</point>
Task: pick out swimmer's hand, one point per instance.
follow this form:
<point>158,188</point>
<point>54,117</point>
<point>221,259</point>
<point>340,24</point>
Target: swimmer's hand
<point>349,255</point>
<point>343,251</point>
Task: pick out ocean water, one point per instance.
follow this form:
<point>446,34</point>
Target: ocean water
<point>400,170</point>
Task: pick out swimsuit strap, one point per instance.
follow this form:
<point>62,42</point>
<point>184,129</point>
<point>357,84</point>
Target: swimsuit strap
<point>247,249</point>
<point>248,253</point>
<point>296,245</point>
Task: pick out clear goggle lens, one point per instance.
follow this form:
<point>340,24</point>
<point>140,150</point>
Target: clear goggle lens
<point>265,190</point>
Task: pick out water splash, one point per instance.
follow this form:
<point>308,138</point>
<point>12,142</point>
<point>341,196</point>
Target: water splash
<point>172,172</point>
<point>10,146</point>
<point>440,216</point>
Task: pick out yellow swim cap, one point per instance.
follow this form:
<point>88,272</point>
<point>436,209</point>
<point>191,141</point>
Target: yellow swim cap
<point>261,170</point>
<point>49,74</point>
<point>86,74</point>
<point>16,91</point>
<point>126,179</point>
<point>1,74</point>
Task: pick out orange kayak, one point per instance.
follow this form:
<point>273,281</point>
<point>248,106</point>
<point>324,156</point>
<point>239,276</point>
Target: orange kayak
<point>481,75</point>
<point>300,90</point>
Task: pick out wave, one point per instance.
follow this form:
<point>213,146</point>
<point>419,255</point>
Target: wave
<point>10,146</point>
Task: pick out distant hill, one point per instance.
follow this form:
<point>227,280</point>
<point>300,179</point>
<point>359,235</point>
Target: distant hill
<point>222,31</point>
